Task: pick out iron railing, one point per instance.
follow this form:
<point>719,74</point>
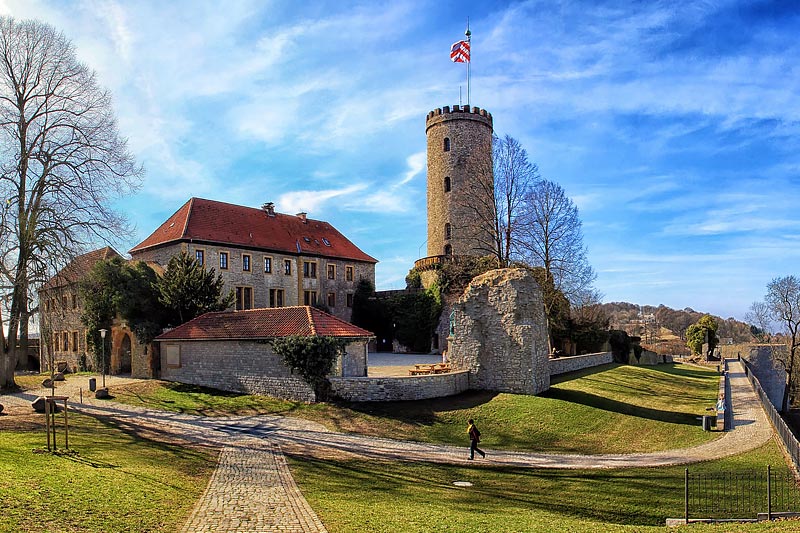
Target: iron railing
<point>740,495</point>
<point>790,443</point>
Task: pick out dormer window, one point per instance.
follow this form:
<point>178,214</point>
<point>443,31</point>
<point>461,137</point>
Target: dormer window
<point>326,242</point>
<point>447,184</point>
<point>447,144</point>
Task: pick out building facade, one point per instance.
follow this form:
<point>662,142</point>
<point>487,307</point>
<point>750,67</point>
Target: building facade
<point>62,340</point>
<point>267,259</point>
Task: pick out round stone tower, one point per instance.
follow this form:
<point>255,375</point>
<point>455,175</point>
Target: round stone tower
<point>459,171</point>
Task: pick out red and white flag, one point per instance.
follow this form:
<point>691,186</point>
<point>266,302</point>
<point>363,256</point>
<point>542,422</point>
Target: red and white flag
<point>459,52</point>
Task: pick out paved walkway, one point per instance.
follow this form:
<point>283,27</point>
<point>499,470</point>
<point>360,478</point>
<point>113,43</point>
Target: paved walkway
<point>252,472</point>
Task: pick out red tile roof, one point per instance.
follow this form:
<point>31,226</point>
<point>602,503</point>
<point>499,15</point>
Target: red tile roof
<point>264,324</point>
<point>209,221</point>
<point>79,267</point>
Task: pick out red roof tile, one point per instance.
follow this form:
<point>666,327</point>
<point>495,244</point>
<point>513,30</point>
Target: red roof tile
<point>209,221</point>
<point>79,267</point>
<point>264,324</point>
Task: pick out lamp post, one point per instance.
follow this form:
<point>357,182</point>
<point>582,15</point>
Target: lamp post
<point>103,342</point>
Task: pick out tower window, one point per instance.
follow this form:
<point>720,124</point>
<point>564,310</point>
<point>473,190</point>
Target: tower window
<point>447,184</point>
<point>447,144</point>
<point>447,231</point>
<point>448,250</point>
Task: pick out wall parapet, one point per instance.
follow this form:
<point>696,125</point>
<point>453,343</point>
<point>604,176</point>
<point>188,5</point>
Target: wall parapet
<point>390,389</point>
<point>562,365</point>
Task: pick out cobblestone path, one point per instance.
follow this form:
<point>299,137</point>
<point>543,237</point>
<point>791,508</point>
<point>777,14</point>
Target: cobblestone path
<point>252,488</point>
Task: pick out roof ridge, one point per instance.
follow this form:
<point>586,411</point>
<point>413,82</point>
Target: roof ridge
<point>188,216</point>
<point>311,320</point>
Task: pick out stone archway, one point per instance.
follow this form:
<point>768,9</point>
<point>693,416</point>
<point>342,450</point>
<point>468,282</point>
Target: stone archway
<point>124,355</point>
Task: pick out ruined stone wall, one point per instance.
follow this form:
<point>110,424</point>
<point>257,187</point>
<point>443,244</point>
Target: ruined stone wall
<point>389,389</point>
<point>501,333</point>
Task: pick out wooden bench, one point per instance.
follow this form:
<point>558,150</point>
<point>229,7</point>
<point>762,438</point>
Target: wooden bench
<point>419,371</point>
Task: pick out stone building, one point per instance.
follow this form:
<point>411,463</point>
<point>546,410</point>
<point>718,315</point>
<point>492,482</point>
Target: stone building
<point>268,259</point>
<point>63,335</point>
<point>230,350</point>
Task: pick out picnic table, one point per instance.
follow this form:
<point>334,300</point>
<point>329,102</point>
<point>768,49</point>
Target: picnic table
<point>436,368</point>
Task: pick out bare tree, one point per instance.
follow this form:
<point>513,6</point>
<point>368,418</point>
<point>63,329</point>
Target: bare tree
<point>550,236</point>
<point>514,176</point>
<point>780,313</point>
<point>62,161</point>
<point>495,198</point>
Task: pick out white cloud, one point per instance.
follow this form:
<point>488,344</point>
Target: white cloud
<point>314,201</point>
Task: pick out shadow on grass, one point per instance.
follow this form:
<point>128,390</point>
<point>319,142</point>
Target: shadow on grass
<point>615,406</point>
<point>421,412</point>
<point>634,498</point>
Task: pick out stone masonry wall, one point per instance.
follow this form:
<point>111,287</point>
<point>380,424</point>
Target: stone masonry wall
<point>562,365</point>
<point>770,374</point>
<point>388,389</point>
<point>236,366</point>
<point>501,333</point>
<point>470,135</point>
<point>59,317</point>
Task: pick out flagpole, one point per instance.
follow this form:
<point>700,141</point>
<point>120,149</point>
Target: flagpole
<point>469,62</point>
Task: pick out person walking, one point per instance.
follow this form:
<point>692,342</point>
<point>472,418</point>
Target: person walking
<point>474,438</point>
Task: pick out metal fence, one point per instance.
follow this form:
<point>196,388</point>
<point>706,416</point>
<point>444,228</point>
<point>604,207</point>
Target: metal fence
<point>740,495</point>
<point>790,443</point>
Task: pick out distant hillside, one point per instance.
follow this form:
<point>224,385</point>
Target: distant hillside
<point>663,324</point>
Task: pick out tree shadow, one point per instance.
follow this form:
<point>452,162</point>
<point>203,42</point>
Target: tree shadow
<point>420,412</point>
<point>615,406</point>
<point>616,497</point>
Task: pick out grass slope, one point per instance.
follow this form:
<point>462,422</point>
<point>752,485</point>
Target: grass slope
<point>116,480</point>
<point>609,409</point>
<point>368,496</point>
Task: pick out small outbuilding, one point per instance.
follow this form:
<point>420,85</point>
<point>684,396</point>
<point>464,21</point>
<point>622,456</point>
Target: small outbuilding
<point>232,350</point>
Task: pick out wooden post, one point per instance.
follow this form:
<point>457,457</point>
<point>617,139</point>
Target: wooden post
<point>66,426</point>
<point>47,421</point>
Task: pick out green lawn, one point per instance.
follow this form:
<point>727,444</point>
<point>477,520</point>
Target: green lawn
<point>115,481</point>
<point>368,496</point>
<point>609,409</point>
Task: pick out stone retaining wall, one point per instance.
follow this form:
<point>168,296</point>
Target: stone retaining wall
<point>388,389</point>
<point>562,365</point>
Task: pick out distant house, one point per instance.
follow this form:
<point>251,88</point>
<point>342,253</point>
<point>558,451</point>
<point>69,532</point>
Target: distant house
<point>231,350</point>
<point>268,259</point>
<point>63,335</point>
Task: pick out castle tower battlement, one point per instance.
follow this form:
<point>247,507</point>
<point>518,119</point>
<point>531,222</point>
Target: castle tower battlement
<point>446,113</point>
<point>460,181</point>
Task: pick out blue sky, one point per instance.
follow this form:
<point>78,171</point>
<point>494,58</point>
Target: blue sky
<point>672,125</point>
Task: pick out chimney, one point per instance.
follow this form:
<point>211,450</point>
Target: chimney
<point>302,216</point>
<point>269,209</point>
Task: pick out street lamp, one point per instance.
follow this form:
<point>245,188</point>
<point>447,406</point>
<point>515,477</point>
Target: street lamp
<point>103,342</point>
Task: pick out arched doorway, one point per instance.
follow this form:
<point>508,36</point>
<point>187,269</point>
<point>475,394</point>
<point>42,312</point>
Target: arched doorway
<point>125,355</point>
